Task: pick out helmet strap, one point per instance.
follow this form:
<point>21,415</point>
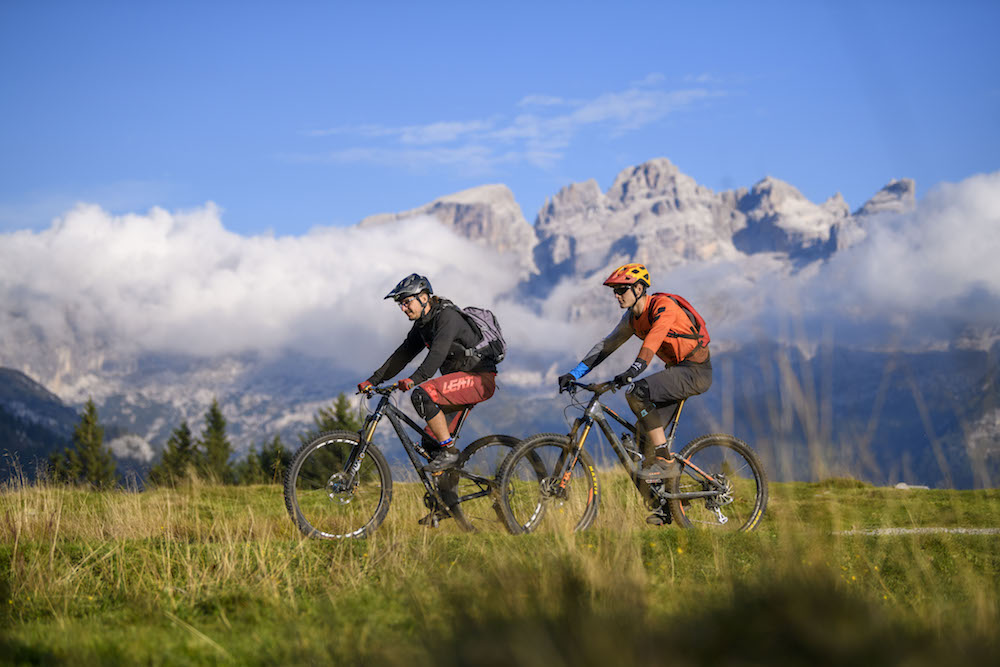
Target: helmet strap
<point>638,294</point>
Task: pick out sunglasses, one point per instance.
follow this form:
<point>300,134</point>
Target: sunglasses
<point>621,290</point>
<point>405,303</point>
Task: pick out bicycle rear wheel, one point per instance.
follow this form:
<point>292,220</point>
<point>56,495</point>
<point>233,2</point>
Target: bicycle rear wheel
<point>532,496</point>
<point>323,500</point>
<point>470,489</point>
<point>739,505</point>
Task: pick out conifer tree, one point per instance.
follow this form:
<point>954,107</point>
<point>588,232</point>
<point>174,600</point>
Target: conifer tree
<point>65,466</point>
<point>338,417</point>
<point>274,460</point>
<point>248,470</point>
<point>179,456</point>
<point>89,461</point>
<point>266,466</point>
<point>216,448</point>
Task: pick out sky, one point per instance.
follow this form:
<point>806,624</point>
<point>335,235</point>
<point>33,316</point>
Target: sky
<point>286,117</point>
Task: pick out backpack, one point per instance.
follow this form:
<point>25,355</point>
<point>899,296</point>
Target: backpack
<point>491,344</point>
<point>699,331</point>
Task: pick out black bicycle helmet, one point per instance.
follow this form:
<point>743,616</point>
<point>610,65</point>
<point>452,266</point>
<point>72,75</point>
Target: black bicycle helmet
<point>411,285</point>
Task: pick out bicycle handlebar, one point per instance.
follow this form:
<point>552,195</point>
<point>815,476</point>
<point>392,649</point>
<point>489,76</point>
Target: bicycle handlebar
<point>598,388</point>
<point>385,391</point>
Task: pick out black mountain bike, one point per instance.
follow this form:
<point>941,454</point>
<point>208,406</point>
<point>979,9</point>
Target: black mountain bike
<point>339,485</point>
<point>550,480</point>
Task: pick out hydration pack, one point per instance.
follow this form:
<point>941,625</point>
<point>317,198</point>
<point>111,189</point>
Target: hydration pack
<point>698,331</point>
<point>491,344</point>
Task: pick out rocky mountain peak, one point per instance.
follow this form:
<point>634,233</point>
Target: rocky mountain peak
<point>836,205</point>
<point>771,196</point>
<point>655,213</point>
<point>649,180</point>
<point>899,196</point>
<point>779,218</point>
<point>486,214</point>
<point>25,398</point>
<point>573,199</point>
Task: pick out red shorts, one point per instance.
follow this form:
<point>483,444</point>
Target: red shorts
<point>454,391</point>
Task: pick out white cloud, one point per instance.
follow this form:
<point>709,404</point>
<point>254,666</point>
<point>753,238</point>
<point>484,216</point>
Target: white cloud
<point>442,132</point>
<point>917,279</point>
<point>540,137</point>
<point>541,101</point>
<point>432,133</point>
<point>928,271</point>
<point>179,282</point>
<point>132,447</point>
<point>471,157</point>
<point>652,79</point>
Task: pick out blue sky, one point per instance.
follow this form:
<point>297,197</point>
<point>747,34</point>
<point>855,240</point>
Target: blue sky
<point>294,115</point>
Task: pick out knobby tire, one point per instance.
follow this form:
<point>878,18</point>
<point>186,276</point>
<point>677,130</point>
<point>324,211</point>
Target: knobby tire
<point>482,458</point>
<point>743,473</point>
<point>530,497</point>
<point>323,509</point>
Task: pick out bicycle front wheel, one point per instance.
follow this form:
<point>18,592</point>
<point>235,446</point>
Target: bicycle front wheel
<point>728,467</point>
<point>324,500</point>
<point>470,489</point>
<point>533,495</point>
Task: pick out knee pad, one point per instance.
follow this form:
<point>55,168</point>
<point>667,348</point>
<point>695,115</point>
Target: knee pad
<point>638,399</point>
<point>423,404</point>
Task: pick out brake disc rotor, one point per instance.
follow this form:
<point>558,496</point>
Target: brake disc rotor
<point>339,488</point>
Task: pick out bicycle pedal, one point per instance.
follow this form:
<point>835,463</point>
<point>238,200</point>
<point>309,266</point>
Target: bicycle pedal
<point>433,519</point>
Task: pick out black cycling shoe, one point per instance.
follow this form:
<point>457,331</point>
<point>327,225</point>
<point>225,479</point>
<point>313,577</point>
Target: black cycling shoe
<point>443,460</point>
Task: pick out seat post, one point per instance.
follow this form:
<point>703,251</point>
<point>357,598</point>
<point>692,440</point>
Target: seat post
<point>461,420</point>
<point>673,424</point>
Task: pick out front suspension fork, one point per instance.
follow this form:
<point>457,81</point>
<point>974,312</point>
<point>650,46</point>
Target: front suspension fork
<point>562,471</point>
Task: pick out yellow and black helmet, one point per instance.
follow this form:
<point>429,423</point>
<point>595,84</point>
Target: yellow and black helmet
<point>629,274</point>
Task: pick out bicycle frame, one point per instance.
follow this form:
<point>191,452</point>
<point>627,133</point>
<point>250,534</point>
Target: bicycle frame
<point>413,450</point>
<point>595,413</point>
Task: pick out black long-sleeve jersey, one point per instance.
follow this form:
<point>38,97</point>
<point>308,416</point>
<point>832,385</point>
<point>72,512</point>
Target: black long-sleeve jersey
<point>447,334</point>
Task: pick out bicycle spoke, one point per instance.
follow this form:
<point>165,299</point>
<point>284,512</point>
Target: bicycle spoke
<point>733,475</point>
<point>472,485</point>
<point>537,497</point>
<point>328,502</point>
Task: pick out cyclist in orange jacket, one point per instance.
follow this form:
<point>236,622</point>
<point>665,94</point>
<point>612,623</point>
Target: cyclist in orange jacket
<point>665,329</point>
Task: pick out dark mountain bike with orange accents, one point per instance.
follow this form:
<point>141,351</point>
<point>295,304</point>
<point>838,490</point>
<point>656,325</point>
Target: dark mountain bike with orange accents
<point>550,481</point>
<point>339,485</point>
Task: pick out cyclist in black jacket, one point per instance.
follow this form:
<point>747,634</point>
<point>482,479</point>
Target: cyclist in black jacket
<point>439,326</point>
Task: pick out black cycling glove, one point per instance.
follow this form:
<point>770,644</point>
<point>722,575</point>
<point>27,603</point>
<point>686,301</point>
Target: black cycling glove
<point>637,367</point>
<point>566,381</point>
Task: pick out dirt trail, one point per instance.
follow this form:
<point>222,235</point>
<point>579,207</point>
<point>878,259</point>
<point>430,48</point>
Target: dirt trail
<point>919,531</point>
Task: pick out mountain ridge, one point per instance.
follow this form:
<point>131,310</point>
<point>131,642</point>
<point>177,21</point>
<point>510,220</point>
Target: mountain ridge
<point>654,210</point>
<point>651,212</point>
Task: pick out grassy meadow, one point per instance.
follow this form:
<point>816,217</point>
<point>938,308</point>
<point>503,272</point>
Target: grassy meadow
<point>206,574</point>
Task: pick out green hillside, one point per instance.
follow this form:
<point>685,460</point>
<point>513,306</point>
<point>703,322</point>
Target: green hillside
<point>218,575</point>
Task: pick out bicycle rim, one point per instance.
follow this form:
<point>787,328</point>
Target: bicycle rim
<point>732,463</point>
<point>322,500</point>
<point>470,491</point>
<point>532,496</point>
